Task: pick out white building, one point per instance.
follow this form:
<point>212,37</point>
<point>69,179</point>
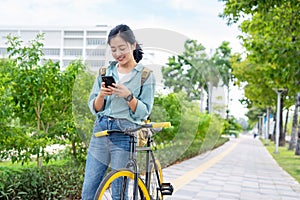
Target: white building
<point>64,44</point>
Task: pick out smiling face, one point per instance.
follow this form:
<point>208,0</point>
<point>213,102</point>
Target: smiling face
<point>122,51</point>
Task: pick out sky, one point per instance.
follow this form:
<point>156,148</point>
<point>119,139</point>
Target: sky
<point>196,19</point>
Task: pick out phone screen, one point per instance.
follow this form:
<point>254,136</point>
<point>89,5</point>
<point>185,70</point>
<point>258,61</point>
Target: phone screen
<point>109,80</point>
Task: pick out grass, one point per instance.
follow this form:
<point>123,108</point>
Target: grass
<point>286,159</point>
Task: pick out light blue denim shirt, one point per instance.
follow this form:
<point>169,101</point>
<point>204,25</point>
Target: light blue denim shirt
<point>117,107</point>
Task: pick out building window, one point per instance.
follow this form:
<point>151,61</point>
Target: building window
<point>28,35</point>
<point>73,33</point>
<point>95,52</point>
<point>95,63</point>
<point>4,34</point>
<point>66,62</point>
<point>72,52</point>
<point>95,41</point>
<point>96,33</point>
<point>51,52</point>
<point>52,38</point>
<point>3,51</point>
<point>73,42</point>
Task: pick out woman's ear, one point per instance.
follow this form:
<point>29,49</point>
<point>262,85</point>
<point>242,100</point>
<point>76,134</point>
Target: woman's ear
<point>133,46</point>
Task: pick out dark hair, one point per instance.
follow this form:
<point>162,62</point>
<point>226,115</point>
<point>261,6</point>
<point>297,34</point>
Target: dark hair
<point>126,34</point>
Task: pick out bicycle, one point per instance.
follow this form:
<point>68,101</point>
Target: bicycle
<point>134,186</point>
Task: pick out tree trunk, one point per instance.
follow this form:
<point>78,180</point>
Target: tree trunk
<point>297,151</point>
<point>259,127</point>
<point>210,89</point>
<point>202,99</point>
<point>286,122</point>
<point>274,129</point>
<point>292,142</point>
<point>267,127</point>
<point>281,132</point>
<point>39,161</point>
<point>74,152</point>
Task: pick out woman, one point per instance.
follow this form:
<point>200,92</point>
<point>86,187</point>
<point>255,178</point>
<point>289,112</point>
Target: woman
<point>124,105</point>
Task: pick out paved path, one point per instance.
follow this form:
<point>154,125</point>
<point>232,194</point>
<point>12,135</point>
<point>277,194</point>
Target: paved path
<point>240,169</point>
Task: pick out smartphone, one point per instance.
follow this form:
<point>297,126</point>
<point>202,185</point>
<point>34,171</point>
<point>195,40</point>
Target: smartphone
<point>108,80</point>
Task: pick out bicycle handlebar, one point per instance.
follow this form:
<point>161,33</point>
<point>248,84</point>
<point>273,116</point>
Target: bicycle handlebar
<point>149,125</point>
<point>161,125</point>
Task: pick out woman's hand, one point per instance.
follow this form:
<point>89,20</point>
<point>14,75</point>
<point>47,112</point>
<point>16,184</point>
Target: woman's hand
<point>99,101</point>
<point>120,90</point>
<point>104,91</point>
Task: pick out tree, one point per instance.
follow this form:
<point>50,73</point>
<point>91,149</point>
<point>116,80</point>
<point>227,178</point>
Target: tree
<point>5,92</point>
<point>185,72</point>
<point>221,60</point>
<point>194,71</point>
<point>297,149</point>
<point>292,143</point>
<point>273,50</point>
<point>82,116</point>
<point>65,126</point>
<point>41,97</point>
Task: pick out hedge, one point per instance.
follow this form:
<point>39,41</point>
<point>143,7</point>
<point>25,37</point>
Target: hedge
<point>49,182</point>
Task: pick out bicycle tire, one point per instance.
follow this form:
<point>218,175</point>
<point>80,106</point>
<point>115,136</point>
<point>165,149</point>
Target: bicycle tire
<point>104,189</point>
<point>154,185</point>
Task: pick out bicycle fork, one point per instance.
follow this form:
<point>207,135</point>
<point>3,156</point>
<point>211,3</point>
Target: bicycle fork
<point>163,188</point>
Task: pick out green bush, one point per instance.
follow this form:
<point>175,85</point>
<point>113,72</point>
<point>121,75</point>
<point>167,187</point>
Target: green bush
<point>232,127</point>
<point>192,141</point>
<point>50,182</point>
<point>192,132</point>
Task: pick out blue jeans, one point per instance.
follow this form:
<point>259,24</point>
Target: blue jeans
<point>112,149</point>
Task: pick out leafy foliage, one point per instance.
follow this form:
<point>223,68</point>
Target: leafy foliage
<point>194,71</point>
<point>192,132</point>
<point>271,54</point>
<point>83,118</point>
<point>271,37</point>
<point>184,72</point>
<point>51,182</point>
<point>39,99</point>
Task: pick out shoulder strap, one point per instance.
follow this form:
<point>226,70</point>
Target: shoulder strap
<point>102,70</point>
<point>145,74</point>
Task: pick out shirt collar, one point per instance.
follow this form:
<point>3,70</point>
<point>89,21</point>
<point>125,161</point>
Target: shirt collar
<point>139,67</point>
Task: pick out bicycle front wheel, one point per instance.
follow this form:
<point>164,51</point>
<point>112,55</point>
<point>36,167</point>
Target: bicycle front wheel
<point>126,178</point>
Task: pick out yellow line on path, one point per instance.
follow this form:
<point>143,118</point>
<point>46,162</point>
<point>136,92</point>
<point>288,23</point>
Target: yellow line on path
<point>193,174</point>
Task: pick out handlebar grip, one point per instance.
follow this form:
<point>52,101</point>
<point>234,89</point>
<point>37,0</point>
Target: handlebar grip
<point>161,125</point>
<point>101,133</point>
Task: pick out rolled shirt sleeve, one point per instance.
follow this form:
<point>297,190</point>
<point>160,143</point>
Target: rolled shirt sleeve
<point>93,95</point>
<point>145,99</point>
